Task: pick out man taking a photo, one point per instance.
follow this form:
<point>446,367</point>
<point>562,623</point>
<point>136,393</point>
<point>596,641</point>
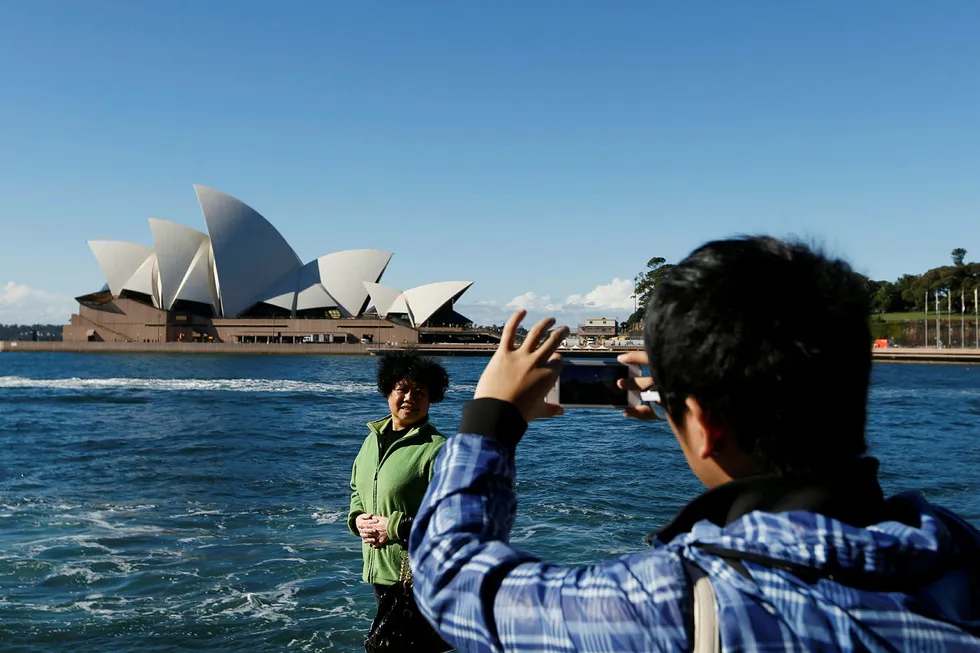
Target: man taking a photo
<point>792,547</point>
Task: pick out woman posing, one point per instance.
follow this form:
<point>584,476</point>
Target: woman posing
<point>394,466</point>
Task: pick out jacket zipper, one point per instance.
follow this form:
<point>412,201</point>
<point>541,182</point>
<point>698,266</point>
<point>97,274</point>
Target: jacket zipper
<point>374,489</point>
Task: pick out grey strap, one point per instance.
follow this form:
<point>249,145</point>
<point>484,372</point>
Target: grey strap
<point>707,639</point>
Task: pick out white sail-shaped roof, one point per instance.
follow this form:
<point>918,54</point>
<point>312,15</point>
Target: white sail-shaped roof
<point>314,297</point>
<point>335,280</point>
<point>310,293</point>
<point>343,273</point>
<point>119,261</point>
<point>144,280</point>
<point>177,248</point>
<point>300,290</point>
<point>283,292</point>
<point>198,283</point>
<point>245,261</point>
<point>387,300</point>
<point>249,254</point>
<point>424,301</point>
<point>157,289</point>
<point>399,306</point>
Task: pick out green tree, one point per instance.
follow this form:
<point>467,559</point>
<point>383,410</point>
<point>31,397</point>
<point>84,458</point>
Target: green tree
<point>908,287</point>
<point>958,255</point>
<point>883,301</point>
<point>945,279</point>
<point>645,283</point>
<point>886,297</point>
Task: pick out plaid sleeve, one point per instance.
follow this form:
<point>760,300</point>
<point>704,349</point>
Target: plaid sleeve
<point>484,595</point>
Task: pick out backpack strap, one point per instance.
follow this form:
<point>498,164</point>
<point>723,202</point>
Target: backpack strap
<point>706,637</point>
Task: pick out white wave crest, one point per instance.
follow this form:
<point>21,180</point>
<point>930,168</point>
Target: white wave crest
<point>196,513</point>
<point>82,572</point>
<point>322,518</point>
<point>187,385</point>
<point>271,605</point>
<point>930,394</point>
<point>201,385</point>
<point>88,606</point>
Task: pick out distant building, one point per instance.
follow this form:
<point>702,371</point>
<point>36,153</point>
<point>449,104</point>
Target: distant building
<point>242,282</point>
<point>597,330</point>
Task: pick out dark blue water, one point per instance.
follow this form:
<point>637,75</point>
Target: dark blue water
<point>164,503</point>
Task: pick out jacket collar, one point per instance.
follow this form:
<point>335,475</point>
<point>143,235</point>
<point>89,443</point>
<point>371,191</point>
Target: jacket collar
<point>379,426</point>
<point>852,495</point>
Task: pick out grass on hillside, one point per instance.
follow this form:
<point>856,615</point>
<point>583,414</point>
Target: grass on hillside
<point>920,315</point>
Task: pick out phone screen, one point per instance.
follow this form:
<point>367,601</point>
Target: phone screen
<point>592,385</point>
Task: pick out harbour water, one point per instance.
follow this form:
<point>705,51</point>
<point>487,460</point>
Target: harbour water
<point>168,503</point>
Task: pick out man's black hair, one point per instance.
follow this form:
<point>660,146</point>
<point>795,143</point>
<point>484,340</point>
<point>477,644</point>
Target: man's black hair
<point>773,340</point>
<point>408,364</point>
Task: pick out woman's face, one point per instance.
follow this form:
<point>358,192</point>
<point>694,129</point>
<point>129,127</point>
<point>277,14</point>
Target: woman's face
<point>409,402</point>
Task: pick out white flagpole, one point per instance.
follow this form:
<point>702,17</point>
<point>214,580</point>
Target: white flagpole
<point>949,314</point>
<point>926,341</point>
<point>938,331</point>
<point>963,317</point>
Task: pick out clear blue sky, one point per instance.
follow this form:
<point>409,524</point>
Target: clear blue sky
<point>544,147</point>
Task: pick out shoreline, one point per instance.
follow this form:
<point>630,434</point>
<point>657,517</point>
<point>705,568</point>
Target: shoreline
<point>888,355</point>
<point>29,346</point>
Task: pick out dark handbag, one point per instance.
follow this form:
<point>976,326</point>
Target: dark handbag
<point>399,626</point>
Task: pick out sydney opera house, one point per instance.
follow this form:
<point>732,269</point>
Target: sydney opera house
<point>241,282</point>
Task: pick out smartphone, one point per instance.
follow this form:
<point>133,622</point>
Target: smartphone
<point>592,384</point>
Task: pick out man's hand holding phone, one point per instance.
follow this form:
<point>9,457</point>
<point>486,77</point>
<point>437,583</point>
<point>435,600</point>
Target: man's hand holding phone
<point>527,376</point>
<point>637,384</point>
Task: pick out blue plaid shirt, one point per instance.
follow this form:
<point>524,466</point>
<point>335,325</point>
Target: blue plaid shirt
<point>482,594</point>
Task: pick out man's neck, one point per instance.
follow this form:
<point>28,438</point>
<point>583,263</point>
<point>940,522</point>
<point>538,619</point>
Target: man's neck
<point>851,495</point>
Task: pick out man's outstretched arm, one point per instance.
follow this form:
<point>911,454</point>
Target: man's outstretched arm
<point>484,595</point>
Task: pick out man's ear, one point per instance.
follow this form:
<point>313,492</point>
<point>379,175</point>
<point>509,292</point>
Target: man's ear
<point>703,432</point>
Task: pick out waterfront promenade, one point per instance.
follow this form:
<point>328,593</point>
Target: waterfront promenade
<point>7,346</point>
<point>885,355</point>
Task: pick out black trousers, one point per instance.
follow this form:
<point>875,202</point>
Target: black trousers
<point>379,591</point>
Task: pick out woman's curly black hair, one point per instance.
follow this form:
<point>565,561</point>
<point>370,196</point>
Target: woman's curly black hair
<point>409,364</point>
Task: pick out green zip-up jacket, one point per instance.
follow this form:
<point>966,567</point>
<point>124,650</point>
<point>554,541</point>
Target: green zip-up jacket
<point>392,487</point>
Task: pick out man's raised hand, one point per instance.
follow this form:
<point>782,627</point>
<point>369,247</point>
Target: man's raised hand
<point>524,375</point>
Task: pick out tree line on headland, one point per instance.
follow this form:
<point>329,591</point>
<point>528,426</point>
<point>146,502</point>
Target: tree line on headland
<point>908,292</point>
<point>904,295</point>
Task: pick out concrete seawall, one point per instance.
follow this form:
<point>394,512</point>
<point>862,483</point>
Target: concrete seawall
<point>25,346</point>
<point>893,355</point>
<point>926,355</point>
